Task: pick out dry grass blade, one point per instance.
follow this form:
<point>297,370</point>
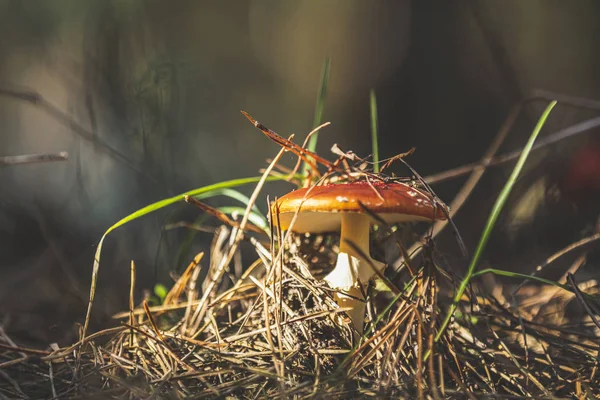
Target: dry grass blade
<point>291,146</point>
<point>221,216</point>
<point>589,308</point>
<point>179,286</point>
<point>391,160</point>
<point>272,330</point>
<point>201,308</point>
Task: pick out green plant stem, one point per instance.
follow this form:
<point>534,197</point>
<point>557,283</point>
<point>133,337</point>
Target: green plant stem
<point>500,202</point>
<point>206,190</point>
<point>374,131</point>
<point>518,275</point>
<point>319,108</point>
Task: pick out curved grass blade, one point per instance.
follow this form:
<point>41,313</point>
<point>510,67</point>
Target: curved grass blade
<point>231,193</point>
<point>256,218</point>
<point>186,245</point>
<point>493,217</point>
<point>544,281</point>
<point>206,190</point>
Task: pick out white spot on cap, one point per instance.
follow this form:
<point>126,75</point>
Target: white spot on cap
<point>412,194</point>
<point>342,199</point>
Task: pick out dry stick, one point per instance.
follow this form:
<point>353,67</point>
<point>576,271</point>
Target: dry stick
<point>523,371</point>
<point>391,354</point>
<point>34,158</point>
<point>419,375</point>
<point>290,146</point>
<point>560,254</point>
<point>131,302</point>
<point>391,327</point>
<point>292,173</point>
<point>470,184</point>
<point>293,221</point>
<point>441,372</point>
<point>582,300</point>
<point>550,139</point>
<point>51,376</point>
<point>162,345</point>
<point>221,216</point>
<point>226,296</point>
<point>152,322</point>
<point>284,307</point>
<point>9,341</point>
<point>403,339</point>
<point>396,320</point>
<point>62,353</point>
<point>278,317</point>
<point>269,335</point>
<point>319,314</point>
<point>477,169</point>
<point>381,222</point>
<point>154,309</point>
<point>279,364</point>
<point>460,380</point>
<point>554,291</point>
<point>437,202</point>
<point>15,361</point>
<point>248,314</point>
<point>14,384</point>
<point>280,265</point>
<point>595,369</point>
<point>37,100</point>
<point>24,350</point>
<point>183,280</point>
<point>430,341</point>
<point>191,296</point>
<point>201,309</point>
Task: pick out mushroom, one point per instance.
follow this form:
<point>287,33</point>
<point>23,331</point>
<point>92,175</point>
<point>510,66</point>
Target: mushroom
<point>336,207</point>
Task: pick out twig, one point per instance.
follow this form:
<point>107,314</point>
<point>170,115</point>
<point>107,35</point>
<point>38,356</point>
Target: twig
<point>201,309</point>
<point>582,300</point>
<point>476,174</point>
<point>37,100</point>
<point>550,139</point>
<point>34,158</point>
<point>131,300</point>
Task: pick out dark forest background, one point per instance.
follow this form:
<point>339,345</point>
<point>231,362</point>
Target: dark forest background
<point>162,82</point>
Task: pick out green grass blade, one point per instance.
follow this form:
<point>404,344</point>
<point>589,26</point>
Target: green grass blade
<point>511,274</point>
<point>374,132</point>
<point>319,108</point>
<point>256,218</point>
<point>493,217</point>
<point>202,192</point>
<point>214,188</point>
<point>186,244</point>
<point>231,193</point>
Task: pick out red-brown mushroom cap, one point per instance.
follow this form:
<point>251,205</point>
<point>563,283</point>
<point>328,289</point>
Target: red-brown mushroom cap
<point>320,208</point>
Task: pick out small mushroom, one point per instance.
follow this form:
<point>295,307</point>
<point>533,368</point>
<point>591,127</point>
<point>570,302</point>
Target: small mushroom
<point>335,207</point>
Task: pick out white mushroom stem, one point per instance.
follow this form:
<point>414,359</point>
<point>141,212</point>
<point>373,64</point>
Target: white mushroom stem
<point>352,267</point>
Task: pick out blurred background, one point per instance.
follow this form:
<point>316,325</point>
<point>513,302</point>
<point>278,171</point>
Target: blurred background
<point>145,98</point>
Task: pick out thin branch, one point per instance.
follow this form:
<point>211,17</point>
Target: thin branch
<point>34,158</point>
